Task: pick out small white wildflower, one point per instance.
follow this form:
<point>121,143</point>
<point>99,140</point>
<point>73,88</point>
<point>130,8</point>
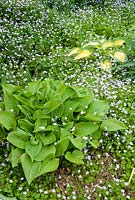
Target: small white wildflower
<point>45,192</point>
<point>11,181</point>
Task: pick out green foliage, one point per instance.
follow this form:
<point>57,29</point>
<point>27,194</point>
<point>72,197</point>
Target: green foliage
<point>52,120</point>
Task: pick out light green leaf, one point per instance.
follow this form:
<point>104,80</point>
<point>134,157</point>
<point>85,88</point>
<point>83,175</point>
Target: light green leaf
<point>51,105</point>
<point>40,114</point>
<point>18,138</point>
<point>26,125</point>
<point>10,103</point>
<point>94,143</point>
<point>75,157</point>
<point>97,134</point>
<point>97,110</point>
<point>33,149</point>
<point>83,102</point>
<point>30,168</point>
<point>9,88</point>
<point>47,139</point>
<point>48,166</point>
<point>40,125</point>
<point>77,142</point>
<point>62,146</point>
<point>47,152</point>
<point>83,92</point>
<point>66,92</point>
<point>113,125</point>
<point>33,87</point>
<point>15,155</point>
<point>85,128</point>
<point>7,120</point>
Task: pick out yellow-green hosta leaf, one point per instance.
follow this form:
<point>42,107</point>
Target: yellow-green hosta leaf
<point>106,64</point>
<point>118,43</point>
<point>7,120</point>
<point>120,56</point>
<point>107,44</point>
<point>93,44</point>
<point>83,54</point>
<point>74,51</point>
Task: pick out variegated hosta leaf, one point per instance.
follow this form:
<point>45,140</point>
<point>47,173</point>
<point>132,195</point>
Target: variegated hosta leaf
<point>83,54</point>
<point>119,43</point>
<point>106,64</point>
<point>74,51</point>
<point>120,56</point>
<point>94,44</point>
<point>107,45</point>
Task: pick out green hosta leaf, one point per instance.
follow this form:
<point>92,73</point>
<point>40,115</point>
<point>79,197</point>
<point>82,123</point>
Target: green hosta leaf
<point>40,125</point>
<point>27,111</point>
<point>66,92</point>
<point>33,149</point>
<point>62,146</point>
<point>113,125</point>
<point>97,110</point>
<point>15,155</point>
<point>40,114</point>
<point>75,157</point>
<point>51,105</point>
<point>9,88</point>
<point>94,143</point>
<point>30,168</point>
<point>83,91</point>
<point>33,87</point>
<point>18,138</point>
<point>77,142</point>
<point>7,120</point>
<point>10,103</point>
<point>85,128</point>
<point>97,134</point>
<point>47,152</point>
<point>64,133</point>
<point>47,139</point>
<point>26,125</point>
<point>83,102</point>
<point>48,166</point>
<point>69,108</point>
<point>68,125</point>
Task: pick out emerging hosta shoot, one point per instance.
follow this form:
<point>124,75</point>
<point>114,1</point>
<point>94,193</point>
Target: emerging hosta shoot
<point>47,120</point>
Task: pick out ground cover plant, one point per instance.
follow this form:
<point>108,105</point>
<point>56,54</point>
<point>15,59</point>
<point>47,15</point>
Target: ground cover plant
<point>36,39</point>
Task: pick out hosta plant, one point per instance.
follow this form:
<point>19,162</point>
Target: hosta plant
<point>47,121</point>
<point>103,48</point>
